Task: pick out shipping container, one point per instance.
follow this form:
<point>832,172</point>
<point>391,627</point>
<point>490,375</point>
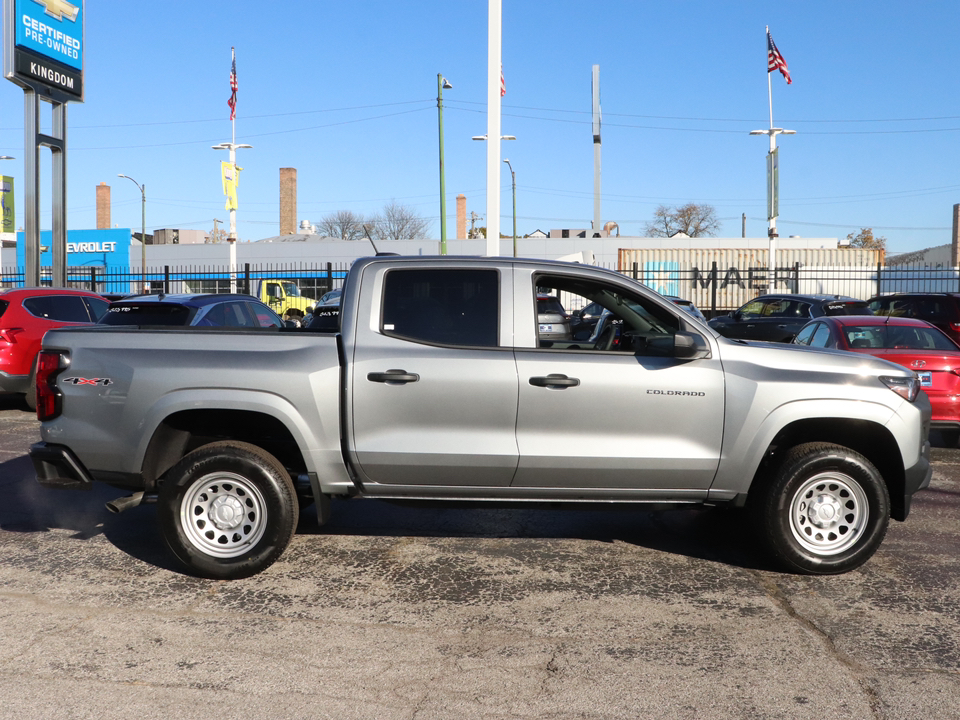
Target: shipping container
<point>743,274</point>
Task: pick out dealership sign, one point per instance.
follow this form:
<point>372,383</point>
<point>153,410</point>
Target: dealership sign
<point>43,45</point>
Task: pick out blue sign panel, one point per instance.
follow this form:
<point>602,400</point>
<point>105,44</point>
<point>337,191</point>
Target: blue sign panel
<point>52,29</point>
<point>109,247</point>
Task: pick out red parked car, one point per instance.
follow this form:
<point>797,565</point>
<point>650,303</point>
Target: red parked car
<point>915,344</point>
<point>25,315</point>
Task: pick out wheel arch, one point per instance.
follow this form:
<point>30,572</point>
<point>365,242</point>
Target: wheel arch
<point>183,431</point>
<point>871,439</point>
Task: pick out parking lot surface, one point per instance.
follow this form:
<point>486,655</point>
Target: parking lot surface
<point>408,612</point>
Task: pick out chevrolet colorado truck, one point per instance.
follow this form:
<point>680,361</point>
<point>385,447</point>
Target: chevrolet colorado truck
<point>442,384</point>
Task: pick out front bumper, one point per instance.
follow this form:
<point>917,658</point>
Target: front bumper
<point>58,467</point>
<point>915,478</point>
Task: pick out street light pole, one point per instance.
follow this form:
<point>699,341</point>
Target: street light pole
<point>441,84</point>
<point>513,182</point>
<point>773,197</point>
<point>143,230</point>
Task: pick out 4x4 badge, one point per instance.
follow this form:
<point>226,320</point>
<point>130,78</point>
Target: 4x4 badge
<point>102,382</point>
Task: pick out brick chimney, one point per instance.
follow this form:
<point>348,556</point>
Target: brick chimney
<point>288,201</point>
<point>103,206</point>
<point>461,217</point>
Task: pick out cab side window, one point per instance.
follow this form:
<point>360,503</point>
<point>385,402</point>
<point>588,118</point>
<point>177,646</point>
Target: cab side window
<point>442,306</point>
<point>568,318</point>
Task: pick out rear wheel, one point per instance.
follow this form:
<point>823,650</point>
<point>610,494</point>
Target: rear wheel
<point>825,511</point>
<point>228,510</point>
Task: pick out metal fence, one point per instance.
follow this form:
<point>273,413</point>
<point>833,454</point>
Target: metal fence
<point>713,289</point>
<point>313,279</point>
<point>717,289</point>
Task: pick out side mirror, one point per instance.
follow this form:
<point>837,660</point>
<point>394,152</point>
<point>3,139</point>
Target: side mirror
<point>736,315</point>
<point>690,346</point>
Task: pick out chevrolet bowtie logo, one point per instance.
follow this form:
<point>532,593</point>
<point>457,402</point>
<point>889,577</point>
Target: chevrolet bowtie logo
<point>60,9</point>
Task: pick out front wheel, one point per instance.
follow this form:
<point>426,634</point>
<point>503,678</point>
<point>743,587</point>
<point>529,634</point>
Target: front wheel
<point>825,511</point>
<point>228,510</point>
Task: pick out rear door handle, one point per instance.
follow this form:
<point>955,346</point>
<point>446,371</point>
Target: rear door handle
<point>393,376</point>
<point>554,381</point>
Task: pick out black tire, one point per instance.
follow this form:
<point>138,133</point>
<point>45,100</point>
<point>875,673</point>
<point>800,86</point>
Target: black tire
<point>825,511</point>
<point>256,502</point>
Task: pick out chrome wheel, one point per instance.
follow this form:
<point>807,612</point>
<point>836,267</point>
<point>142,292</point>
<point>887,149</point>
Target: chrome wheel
<point>829,513</point>
<point>223,515</point>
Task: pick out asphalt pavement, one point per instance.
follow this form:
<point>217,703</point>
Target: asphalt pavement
<point>404,612</point>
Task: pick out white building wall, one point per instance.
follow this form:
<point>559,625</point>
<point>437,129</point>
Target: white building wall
<point>311,249</point>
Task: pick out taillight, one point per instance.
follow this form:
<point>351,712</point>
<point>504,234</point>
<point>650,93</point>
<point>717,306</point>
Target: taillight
<point>955,327</point>
<point>50,363</point>
<point>9,335</point>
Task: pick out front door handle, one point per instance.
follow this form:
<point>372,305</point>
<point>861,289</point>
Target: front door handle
<point>393,376</point>
<point>554,381</point>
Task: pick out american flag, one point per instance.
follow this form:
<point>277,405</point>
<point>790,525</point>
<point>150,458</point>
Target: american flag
<point>503,85</point>
<point>232,102</point>
<point>775,60</point>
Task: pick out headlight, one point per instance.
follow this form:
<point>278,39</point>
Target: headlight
<point>906,387</point>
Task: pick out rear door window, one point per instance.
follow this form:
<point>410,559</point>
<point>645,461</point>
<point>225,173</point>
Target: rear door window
<point>442,306</point>
<point>63,308</point>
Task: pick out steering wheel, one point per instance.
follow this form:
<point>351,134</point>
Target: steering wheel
<point>606,339</point>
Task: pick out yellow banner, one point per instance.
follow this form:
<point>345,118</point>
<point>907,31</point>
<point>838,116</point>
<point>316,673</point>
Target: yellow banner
<point>230,174</point>
<point>7,205</point>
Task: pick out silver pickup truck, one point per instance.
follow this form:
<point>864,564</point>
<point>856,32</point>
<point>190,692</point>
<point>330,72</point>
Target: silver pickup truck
<point>444,383</point>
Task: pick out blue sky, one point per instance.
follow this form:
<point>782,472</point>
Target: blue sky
<point>346,93</point>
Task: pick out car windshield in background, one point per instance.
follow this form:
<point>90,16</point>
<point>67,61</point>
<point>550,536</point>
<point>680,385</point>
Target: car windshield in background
<point>856,307</point>
<point>897,337</point>
<point>152,313</point>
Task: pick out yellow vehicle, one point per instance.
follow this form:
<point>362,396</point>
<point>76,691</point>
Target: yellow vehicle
<point>285,299</point>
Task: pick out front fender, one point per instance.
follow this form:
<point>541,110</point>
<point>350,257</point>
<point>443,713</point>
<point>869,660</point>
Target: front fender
<point>744,447</point>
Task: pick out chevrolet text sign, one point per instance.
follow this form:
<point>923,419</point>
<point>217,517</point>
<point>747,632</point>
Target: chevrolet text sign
<point>47,44</point>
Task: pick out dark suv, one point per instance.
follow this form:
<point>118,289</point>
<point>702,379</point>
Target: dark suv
<point>778,318</point>
<point>940,309</point>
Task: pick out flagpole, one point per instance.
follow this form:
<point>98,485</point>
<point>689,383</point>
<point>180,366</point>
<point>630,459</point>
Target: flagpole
<point>770,89</point>
<point>772,227</point>
<point>231,147</point>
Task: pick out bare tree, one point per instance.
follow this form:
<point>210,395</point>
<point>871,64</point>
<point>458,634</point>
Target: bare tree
<point>343,224</point>
<point>398,222</point>
<point>866,239</point>
<point>691,219</point>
